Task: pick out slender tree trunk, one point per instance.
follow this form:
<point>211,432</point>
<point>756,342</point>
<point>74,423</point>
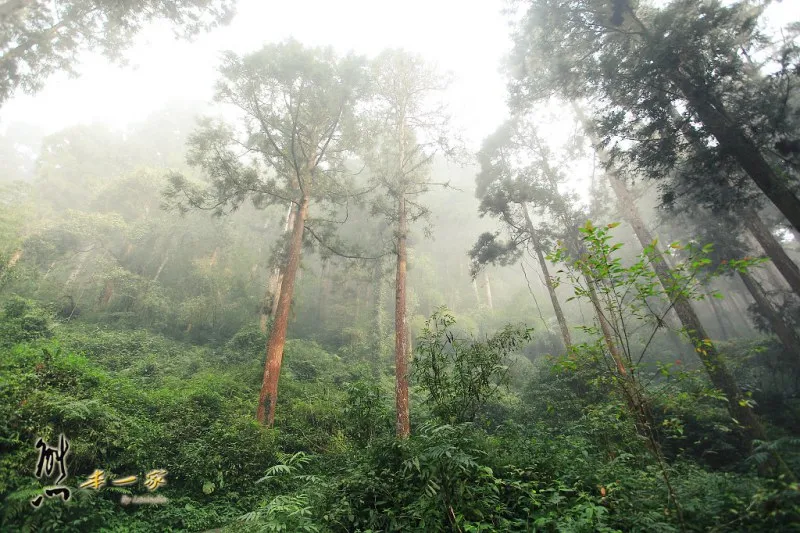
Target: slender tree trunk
<point>608,332</point>
<point>402,425</point>
<point>634,394</point>
<point>551,290</point>
<point>49,269</point>
<point>733,140</point>
<point>321,296</point>
<point>161,266</point>
<point>263,319</point>
<point>488,288</point>
<point>77,270</point>
<point>773,248</point>
<point>326,296</point>
<point>785,333</point>
<point>740,305</point>
<point>269,304</point>
<point>712,360</point>
<point>108,292</point>
<point>477,294</point>
<point>277,338</point>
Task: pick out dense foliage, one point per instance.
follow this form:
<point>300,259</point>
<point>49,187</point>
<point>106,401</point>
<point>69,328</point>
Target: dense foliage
<point>599,356</point>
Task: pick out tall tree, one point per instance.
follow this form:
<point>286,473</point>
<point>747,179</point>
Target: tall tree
<point>41,37</point>
<point>407,128</point>
<point>506,191</point>
<point>709,355</point>
<point>295,103</point>
<point>649,60</point>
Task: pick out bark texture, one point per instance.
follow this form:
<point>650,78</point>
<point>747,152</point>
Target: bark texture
<point>277,338</point>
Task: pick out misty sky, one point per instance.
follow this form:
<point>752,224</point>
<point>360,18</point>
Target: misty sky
<point>467,38</point>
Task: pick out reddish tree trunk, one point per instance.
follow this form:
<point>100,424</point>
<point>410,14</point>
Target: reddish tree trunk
<point>108,292</point>
<point>277,337</point>
<point>269,305</point>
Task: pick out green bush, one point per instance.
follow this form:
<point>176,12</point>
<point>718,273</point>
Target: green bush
<point>22,321</point>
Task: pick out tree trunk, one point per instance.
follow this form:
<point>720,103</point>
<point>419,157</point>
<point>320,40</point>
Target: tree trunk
<point>161,266</point>
<point>402,426</point>
<point>108,292</point>
<point>270,300</point>
<point>77,270</point>
<point>270,305</point>
<point>277,337</point>
<point>488,287</point>
<point>776,282</point>
<point>785,333</point>
<point>739,305</point>
<point>712,360</point>
<point>608,333</point>
<point>537,247</point>
<point>733,140</point>
<point>773,248</point>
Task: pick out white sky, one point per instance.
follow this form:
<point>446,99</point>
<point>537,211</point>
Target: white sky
<point>465,37</point>
<point>468,38</point>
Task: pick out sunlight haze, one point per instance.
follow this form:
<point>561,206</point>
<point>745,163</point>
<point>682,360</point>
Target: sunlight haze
<point>468,39</point>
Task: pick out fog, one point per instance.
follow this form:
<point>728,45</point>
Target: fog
<point>369,266</point>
